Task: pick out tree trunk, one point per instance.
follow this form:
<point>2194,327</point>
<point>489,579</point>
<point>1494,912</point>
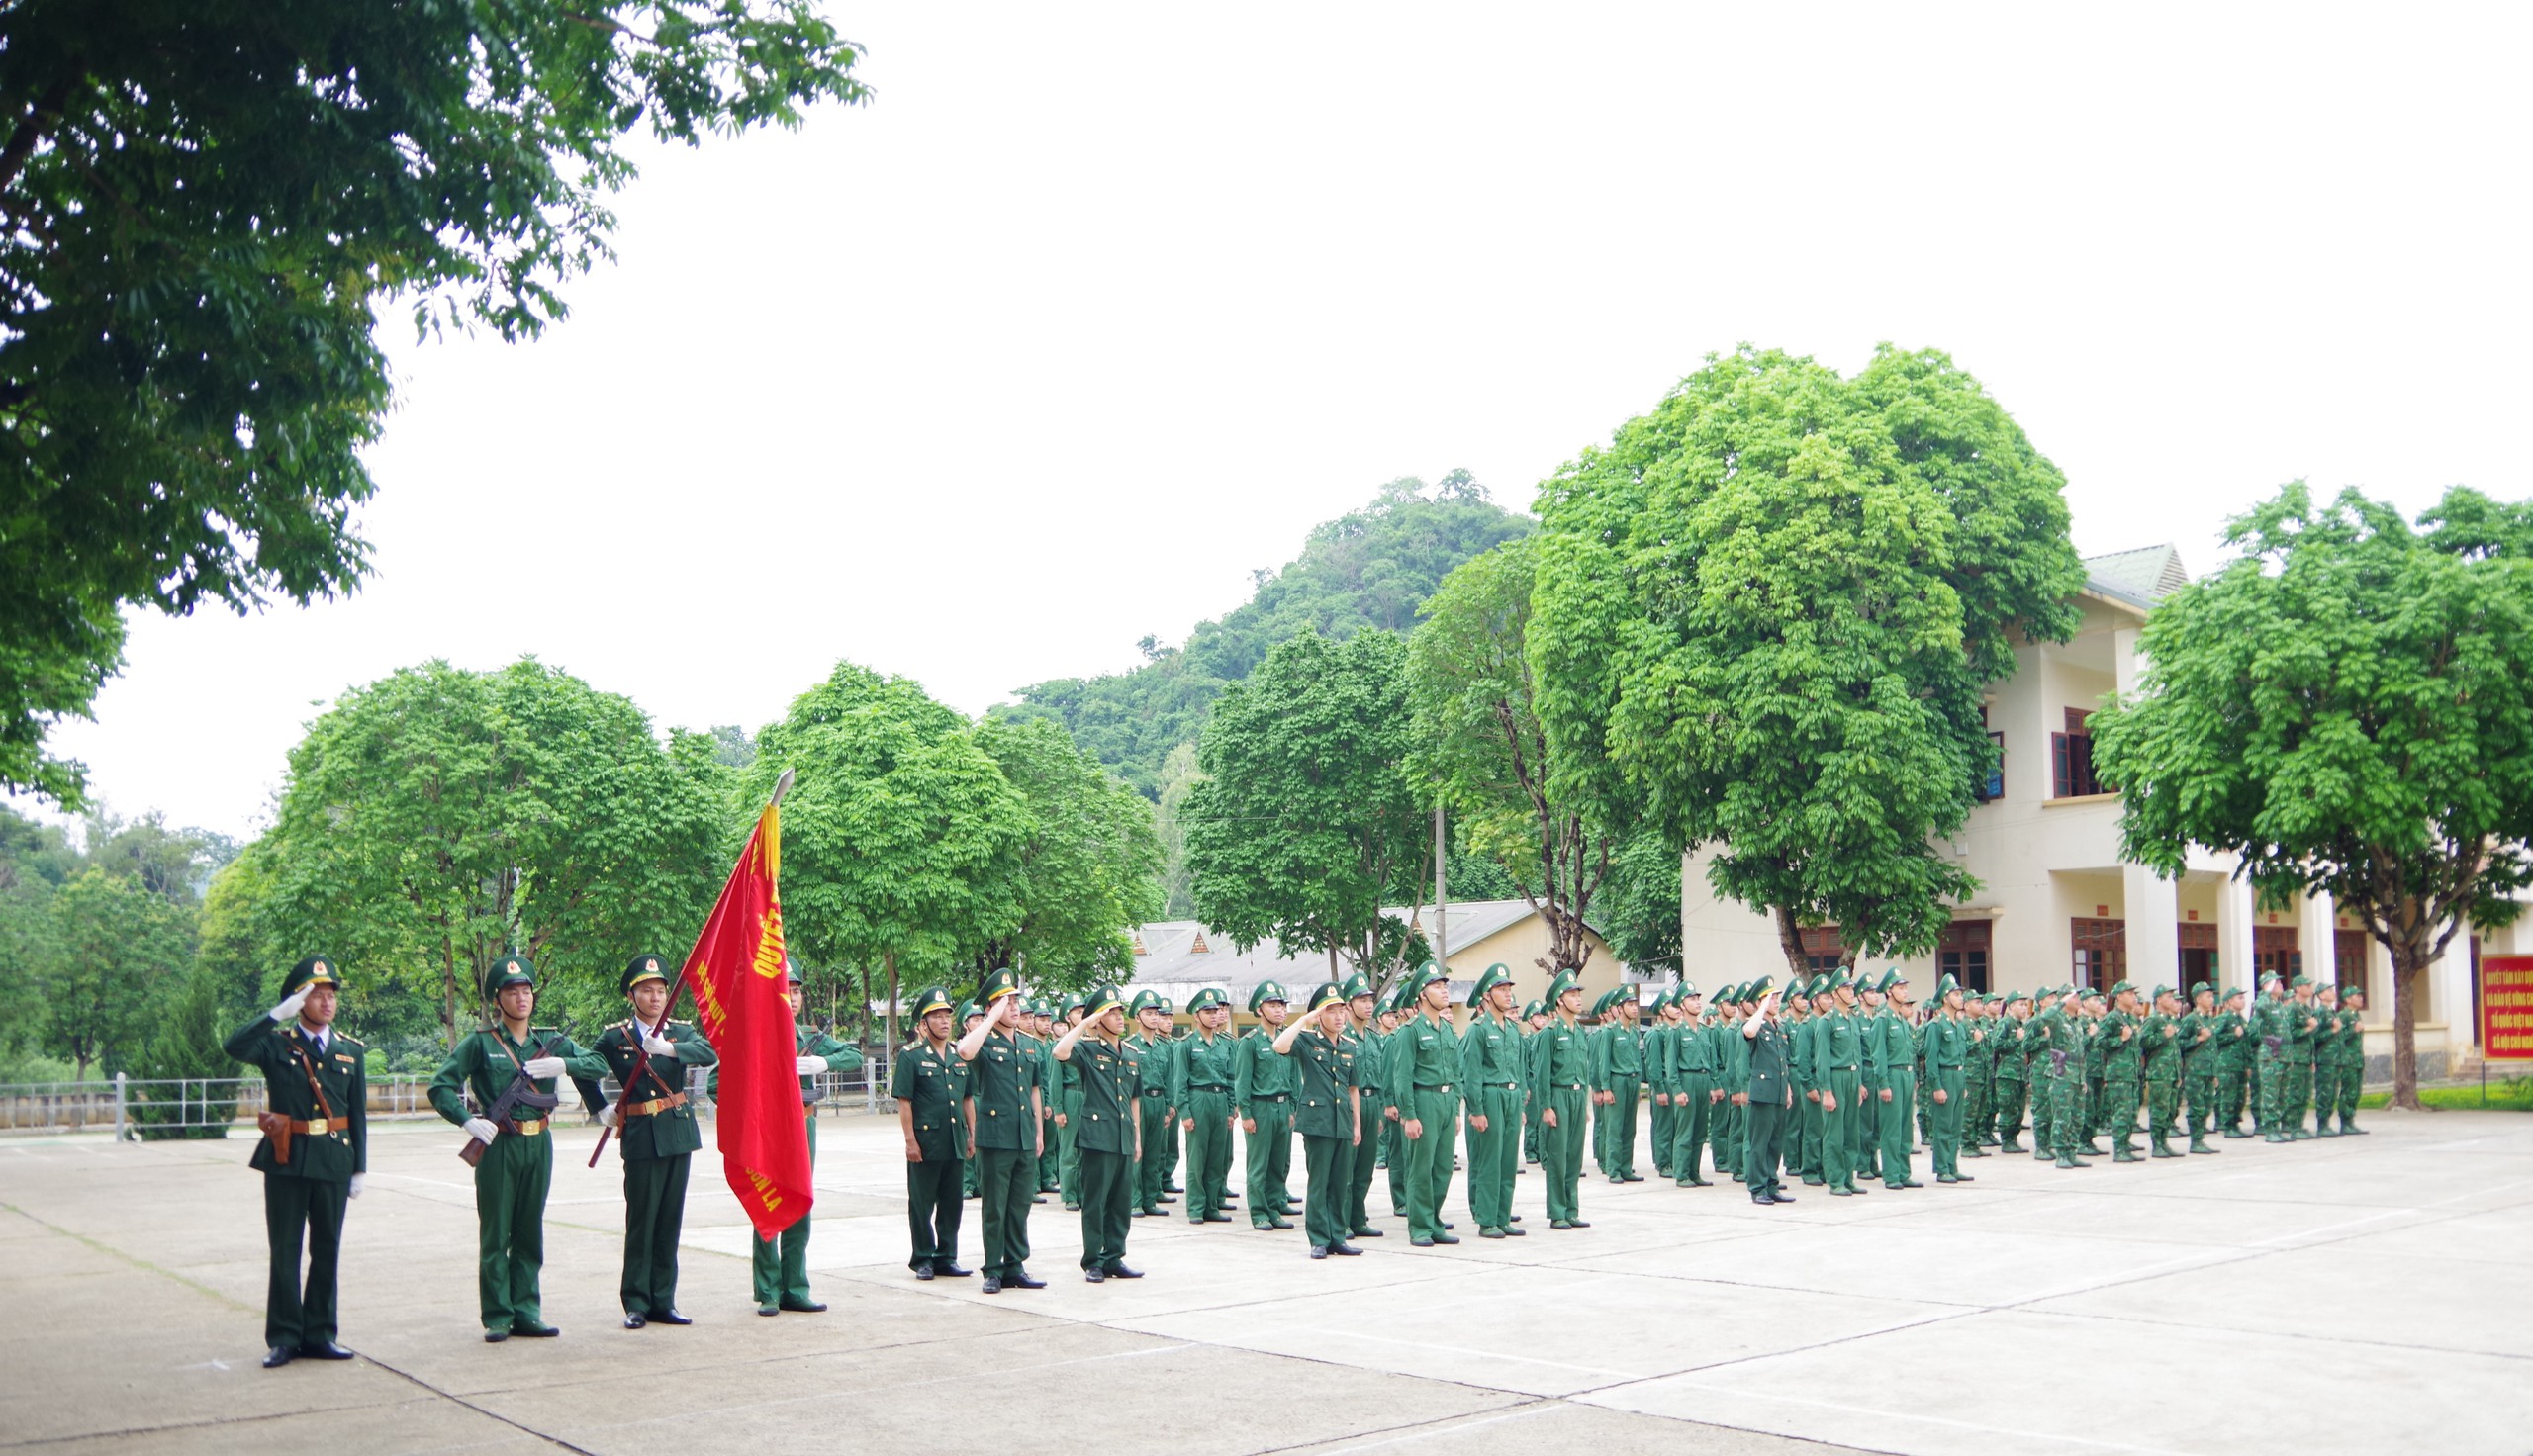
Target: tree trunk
<point>2408,963</point>
<point>1789,939</point>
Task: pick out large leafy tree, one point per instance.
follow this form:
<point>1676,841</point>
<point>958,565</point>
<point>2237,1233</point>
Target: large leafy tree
<point>118,949</point>
<point>206,203</point>
<point>1764,613</point>
<point>1306,823</point>
<point>2348,708</point>
<point>1088,867</point>
<point>437,818</point>
<point>1478,746</point>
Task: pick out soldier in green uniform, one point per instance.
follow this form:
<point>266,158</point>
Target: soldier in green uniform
<point>1328,1112</point>
<point>2013,1069</point>
<point>778,1267</point>
<point>2238,1084</point>
<point>1065,1092</point>
<point>519,1157</point>
<point>1262,1093</point>
<point>2352,1057</point>
<point>2268,1024</point>
<point>655,1133</point>
<point>1370,1050</point>
<point>1394,1013</point>
<point>2121,1071</point>
<point>1803,1126</point>
<point>1535,1019</point>
<point>2325,1059</point>
<point>1424,1076</point>
<point>1838,1053</point>
<point>2095,1008</point>
<point>1871,1006</point>
<point>2163,1059</point>
<point>1107,1130</point>
<point>1695,1093</point>
<point>1560,1072</point>
<point>1200,1084</point>
<point>314,1156</point>
<point>1770,1094</point>
<point>2058,1043</point>
<point>1977,1071</point>
<point>1037,1033</point>
<point>1006,1099</point>
<point>1149,1046</point>
<point>1724,1040</point>
<point>1894,1044</point>
<point>2202,1055</point>
<point>1491,1069</point>
<point>966,1019</point>
<point>1167,1043</point>
<point>930,1085</point>
<point>2305,1024</point>
<point>1948,1040</point>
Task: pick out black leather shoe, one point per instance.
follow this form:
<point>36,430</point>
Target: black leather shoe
<point>952,1271</point>
<point>280,1355</point>
<point>1511,1232</point>
<point>1120,1271</point>
<point>924,1273</point>
<point>328,1350</point>
<point>534,1332</point>
<point>1447,1238</point>
<point>1346,1250</point>
<point>1093,1276</point>
<point>1218,1216</point>
<point>1579,1222</point>
<point>636,1322</point>
<point>670,1317</point>
<point>1023,1281</point>
<point>1317,1252</point>
<point>1370,1234</point>
<point>992,1285</point>
<point>1490,1233</point>
<point>496,1336</point>
<point>769,1311</point>
<point>1166,1198</point>
<point>1843,1193</point>
<point>1780,1198</point>
<point>1762,1199</point>
<point>805,1307</point>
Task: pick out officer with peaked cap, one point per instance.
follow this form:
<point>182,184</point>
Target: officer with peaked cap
<point>656,1135</point>
<point>1108,1130</point>
<point>1770,1093</point>
<point>314,1155</point>
<point>517,1163</point>
<point>1005,1102</point>
<point>1561,1076</point>
<point>930,1085</point>
<point>1328,1112</point>
<point>1490,1057</point>
<point>1262,1093</point>
<point>1200,1086</point>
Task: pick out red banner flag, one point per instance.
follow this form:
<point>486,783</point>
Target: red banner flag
<point>736,973</point>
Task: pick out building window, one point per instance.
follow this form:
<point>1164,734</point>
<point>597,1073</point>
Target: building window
<point>1962,954</point>
<point>2101,951</point>
<point>2348,960</point>
<point>1821,948</point>
<point>1991,784</point>
<point>2198,952</point>
<point>2274,953</point>
<point>2071,758</point>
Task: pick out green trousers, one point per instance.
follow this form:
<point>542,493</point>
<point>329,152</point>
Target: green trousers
<point>1329,1164</point>
<point>1837,1128</point>
<point>1007,1179</point>
<point>1898,1118</point>
<point>510,1228</point>
<point>2045,1126</point>
<point>2163,1111</point>
<point>1069,1152</point>
<point>2352,1078</point>
<point>654,1213</point>
<point>933,1212</point>
<point>2066,1120</point>
<point>296,1315</point>
<point>778,1266</point>
<point>1869,1126</point>
<point>1976,1109</point>
<point>2234,1091</point>
<point>1725,1135</point>
<point>2119,1113</point>
<point>1660,1117</point>
<point>2326,1094</point>
<point>1394,1144</point>
<point>2198,1102</point>
<point>1765,1154</point>
<point>1494,1155</point>
<point>1268,1153</point>
<point>2273,1096</point>
<point>1169,1150</point>
<point>1531,1129</point>
<point>1208,1153</point>
<point>1107,1205</point>
<point>1051,1163</point>
<point>1622,1117</point>
<point>2300,1094</point>
<point>1361,1165</point>
<point>1692,1127</point>
<point>1805,1135</point>
<point>1949,1116</point>
<point>2013,1094</point>
<point>1151,1170</point>
<point>1429,1159</point>
<point>1561,1151</point>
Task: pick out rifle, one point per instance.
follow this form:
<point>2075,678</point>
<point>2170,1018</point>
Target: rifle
<point>522,1092</point>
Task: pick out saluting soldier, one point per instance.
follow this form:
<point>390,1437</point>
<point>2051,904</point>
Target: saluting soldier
<point>2058,1064</point>
<point>313,1156</point>
<point>968,1015</point>
<point>2352,1056</point>
<point>2013,1069</point>
<point>930,1085</point>
<point>1200,1076</point>
<point>1149,1045</point>
<point>1560,1074</point>
<point>1262,1092</point>
<point>656,1136</point>
<point>1107,1131</point>
<point>1328,1112</point>
<point>1005,1099</point>
<point>2236,1079</point>
<point>778,1267</point>
<point>1490,1057</point>
<point>1768,1094</point>
<point>518,1161</point>
<point>2163,1057</point>
<point>1370,1049</point>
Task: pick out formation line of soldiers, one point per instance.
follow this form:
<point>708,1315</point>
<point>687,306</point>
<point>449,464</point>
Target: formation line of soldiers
<point>1009,1101</point>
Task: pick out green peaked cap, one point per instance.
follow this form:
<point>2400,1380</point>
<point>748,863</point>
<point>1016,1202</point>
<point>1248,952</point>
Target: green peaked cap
<point>1493,976</point>
<point>509,971</point>
<point>314,971</point>
<point>646,966</point>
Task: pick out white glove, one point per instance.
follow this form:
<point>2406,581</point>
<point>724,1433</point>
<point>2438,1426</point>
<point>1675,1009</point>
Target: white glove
<point>288,1009</point>
<point>608,1116</point>
<point>811,1066</point>
<point>658,1046</point>
<point>354,1190</point>
<point>481,1130</point>
<point>542,1067</point>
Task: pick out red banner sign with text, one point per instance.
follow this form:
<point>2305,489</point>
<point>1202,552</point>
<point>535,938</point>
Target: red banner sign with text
<point>2506,1008</point>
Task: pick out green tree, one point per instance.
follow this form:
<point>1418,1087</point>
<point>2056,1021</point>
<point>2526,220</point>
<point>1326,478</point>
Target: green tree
<point>117,948</point>
<point>1180,777</point>
<point>1640,907</point>
<point>2348,709</point>
<point>1764,615</point>
<point>436,818</point>
<point>1478,746</point>
<point>1306,825</point>
<point>208,203</point>
<point>1088,869</point>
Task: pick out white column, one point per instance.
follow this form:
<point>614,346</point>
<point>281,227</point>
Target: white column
<point>2124,667</point>
<point>2234,938</point>
<point>2315,932</point>
<point>2153,908</point>
<point>2449,999</point>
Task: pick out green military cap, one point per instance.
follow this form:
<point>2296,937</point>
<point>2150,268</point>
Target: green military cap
<point>1204,1000</point>
<point>642,967</point>
<point>2301,980</point>
<point>1758,990</point>
<point>1723,993</point>
<point>2200,988</point>
<point>1323,996</point>
<point>1947,984</point>
<point>2232,993</point>
<point>1146,1001</point>
<point>509,971</point>
<point>1098,1001</point>
<point>1079,1000</point>
<point>1267,991</point>
<point>1837,980</point>
<point>1557,987</point>
<point>315,970</point>
<point>2347,991</point>
<point>968,1010</point>
<point>2014,996</point>
<point>1487,980</point>
<point>1532,1009</point>
<point>2096,993</point>
<point>1601,1007</point>
<point>2161,991</point>
<point>1357,986</point>
<point>1685,989</point>
<point>791,972</point>
<point>999,984</point>
<point>2272,979</point>
<point>1161,1004</point>
<point>931,999</point>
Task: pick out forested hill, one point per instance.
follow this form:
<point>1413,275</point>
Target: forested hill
<point>1371,569</point>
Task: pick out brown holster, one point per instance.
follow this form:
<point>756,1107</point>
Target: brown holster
<point>280,1127</point>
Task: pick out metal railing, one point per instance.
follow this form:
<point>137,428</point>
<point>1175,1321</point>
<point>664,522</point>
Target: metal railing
<point>136,1107</point>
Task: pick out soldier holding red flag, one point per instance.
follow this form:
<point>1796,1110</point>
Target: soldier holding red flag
<point>657,1137</point>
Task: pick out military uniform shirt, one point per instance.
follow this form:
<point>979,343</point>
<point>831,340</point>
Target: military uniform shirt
<point>998,1083</point>
<point>1105,1076</point>
<point>1324,1072</point>
<point>343,1149</point>
<point>1201,1064</point>
<point>933,1084</point>
<point>1256,1071</point>
<point>670,1131</point>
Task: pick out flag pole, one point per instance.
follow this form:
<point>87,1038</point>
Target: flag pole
<point>782,786</point>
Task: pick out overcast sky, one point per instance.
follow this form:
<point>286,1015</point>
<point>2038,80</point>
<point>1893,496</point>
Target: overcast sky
<point>1095,310</point>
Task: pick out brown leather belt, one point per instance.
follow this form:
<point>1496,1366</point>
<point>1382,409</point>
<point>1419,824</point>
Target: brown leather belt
<point>526,1128</point>
<point>656,1104</point>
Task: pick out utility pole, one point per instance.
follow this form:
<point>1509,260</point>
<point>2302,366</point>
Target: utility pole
<point>1442,899</point>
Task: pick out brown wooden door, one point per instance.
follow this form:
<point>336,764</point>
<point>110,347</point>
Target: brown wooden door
<point>2273,952</point>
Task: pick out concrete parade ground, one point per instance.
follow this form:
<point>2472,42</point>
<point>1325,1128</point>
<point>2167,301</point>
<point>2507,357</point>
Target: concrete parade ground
<point>2347,1295</point>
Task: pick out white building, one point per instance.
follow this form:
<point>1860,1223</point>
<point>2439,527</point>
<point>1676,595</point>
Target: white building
<point>2057,903</point>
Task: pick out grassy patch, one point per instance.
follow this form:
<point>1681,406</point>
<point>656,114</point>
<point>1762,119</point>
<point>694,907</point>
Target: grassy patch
<point>2515,1094</point>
